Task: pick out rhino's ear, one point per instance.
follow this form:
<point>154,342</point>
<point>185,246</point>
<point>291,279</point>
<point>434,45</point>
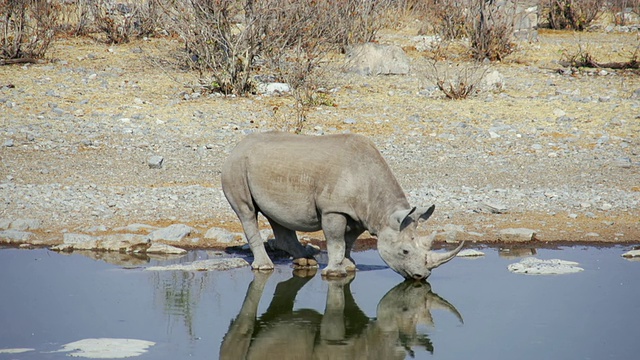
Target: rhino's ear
<point>401,219</point>
<point>423,213</point>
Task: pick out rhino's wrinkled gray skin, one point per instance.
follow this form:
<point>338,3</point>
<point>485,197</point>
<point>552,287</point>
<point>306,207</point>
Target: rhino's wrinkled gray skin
<point>337,183</point>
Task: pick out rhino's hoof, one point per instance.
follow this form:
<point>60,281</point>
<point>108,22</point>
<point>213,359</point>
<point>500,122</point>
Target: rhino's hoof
<point>333,273</point>
<point>262,267</point>
<point>304,263</point>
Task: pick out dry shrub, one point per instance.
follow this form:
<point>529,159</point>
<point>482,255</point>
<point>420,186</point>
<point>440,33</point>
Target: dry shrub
<point>232,40</point>
<point>457,80</point>
<point>623,10</point>
<point>27,28</point>
<point>122,21</point>
<point>573,14</point>
<point>487,24</point>
<point>74,17</point>
<point>450,18</point>
<point>491,29</point>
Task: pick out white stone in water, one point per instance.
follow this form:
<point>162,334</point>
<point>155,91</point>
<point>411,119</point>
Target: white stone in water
<point>632,254</point>
<point>534,266</point>
<point>106,348</point>
<point>203,265</point>
<point>15,351</point>
<point>470,253</point>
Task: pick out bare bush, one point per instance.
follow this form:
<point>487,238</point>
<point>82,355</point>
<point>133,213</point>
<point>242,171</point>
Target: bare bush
<point>74,17</point>
<point>122,21</point>
<point>450,18</point>
<point>573,14</point>
<point>229,41</point>
<point>491,29</point>
<point>623,10</point>
<point>27,28</point>
<point>456,80</point>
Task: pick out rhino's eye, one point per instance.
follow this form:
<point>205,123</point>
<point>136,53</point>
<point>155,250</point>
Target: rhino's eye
<point>405,252</point>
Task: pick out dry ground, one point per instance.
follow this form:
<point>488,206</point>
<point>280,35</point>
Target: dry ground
<point>148,83</point>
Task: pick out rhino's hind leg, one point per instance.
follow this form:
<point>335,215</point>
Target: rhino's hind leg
<point>287,240</point>
<point>334,227</point>
<point>261,260</point>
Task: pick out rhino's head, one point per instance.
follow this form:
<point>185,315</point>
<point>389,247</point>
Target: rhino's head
<point>407,253</point>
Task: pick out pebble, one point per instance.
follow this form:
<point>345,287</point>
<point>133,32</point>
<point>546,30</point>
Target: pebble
<point>155,162</point>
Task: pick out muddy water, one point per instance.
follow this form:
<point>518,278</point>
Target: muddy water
<point>472,309</point>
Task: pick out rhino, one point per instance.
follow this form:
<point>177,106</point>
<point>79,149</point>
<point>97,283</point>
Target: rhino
<point>339,184</point>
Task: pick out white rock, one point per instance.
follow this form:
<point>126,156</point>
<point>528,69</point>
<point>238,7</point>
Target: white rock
<point>106,348</point>
<point>220,235</point>
<point>377,59</point>
<point>517,234</point>
<point>203,265</point>
<point>15,351</point>
<point>15,236</point>
<point>534,266</point>
<point>175,232</point>
<point>470,253</point>
<point>157,248</point>
<point>494,81</point>
<point>273,88</point>
<point>632,253</point>
<point>26,224</point>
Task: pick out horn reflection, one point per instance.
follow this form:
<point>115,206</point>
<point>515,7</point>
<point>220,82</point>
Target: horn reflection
<point>343,331</point>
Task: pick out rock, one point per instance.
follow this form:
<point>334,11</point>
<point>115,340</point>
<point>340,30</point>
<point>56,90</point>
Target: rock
<point>13,236</point>
<point>606,207</point>
<point>492,207</point>
<point>155,162</point>
<point>25,224</point>
<point>632,254</point>
<point>623,162</point>
<point>452,233</point>
<point>494,81</point>
<point>8,143</point>
<point>273,88</point>
<point>220,235</point>
<point>157,248</point>
<point>516,234</point>
<point>116,242</point>
<point>534,266</point>
<point>377,59</point>
<point>203,265</point>
<point>16,350</point>
<point>105,348</point>
<point>470,253</point>
<point>175,232</point>
<point>5,223</point>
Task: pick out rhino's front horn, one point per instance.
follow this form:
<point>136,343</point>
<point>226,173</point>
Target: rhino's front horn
<point>435,259</point>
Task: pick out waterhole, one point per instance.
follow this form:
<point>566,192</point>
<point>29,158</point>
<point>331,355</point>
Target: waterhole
<point>54,305</point>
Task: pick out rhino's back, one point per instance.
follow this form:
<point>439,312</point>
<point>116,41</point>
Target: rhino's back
<point>325,153</point>
<point>294,178</point>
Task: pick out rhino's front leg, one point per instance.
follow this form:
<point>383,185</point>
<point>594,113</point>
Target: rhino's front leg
<point>334,227</point>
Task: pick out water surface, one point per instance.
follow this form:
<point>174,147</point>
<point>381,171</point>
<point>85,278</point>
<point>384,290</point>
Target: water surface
<point>470,309</point>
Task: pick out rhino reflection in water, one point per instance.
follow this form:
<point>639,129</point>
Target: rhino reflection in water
<point>342,332</point>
